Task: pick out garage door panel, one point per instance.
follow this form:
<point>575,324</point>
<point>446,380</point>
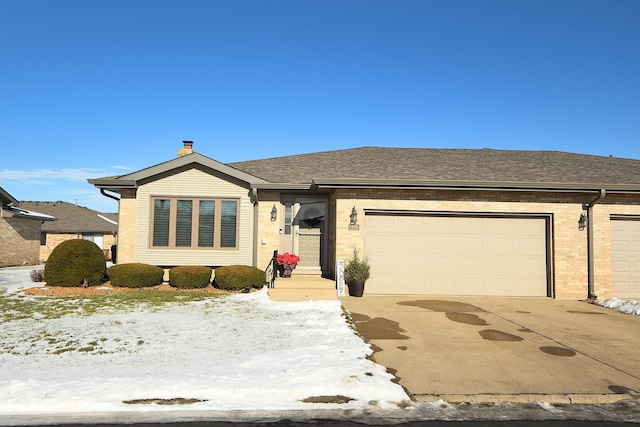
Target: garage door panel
<point>440,265</point>
<point>499,265</point>
<point>472,285</point>
<point>469,244</point>
<point>625,258</point>
<point>531,266</point>
<point>452,255</point>
<point>408,224</point>
<point>497,244</point>
<point>442,244</point>
<point>409,241</point>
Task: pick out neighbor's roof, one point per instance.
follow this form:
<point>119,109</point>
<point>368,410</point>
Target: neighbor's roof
<point>14,211</point>
<point>12,208</point>
<point>74,219</point>
<point>434,166</point>
<point>6,198</point>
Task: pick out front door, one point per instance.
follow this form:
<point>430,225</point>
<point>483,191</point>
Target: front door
<point>307,227</point>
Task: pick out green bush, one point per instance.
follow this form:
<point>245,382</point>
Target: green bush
<point>357,269</point>
<point>135,275</point>
<point>72,261</point>
<point>235,277</point>
<point>190,277</point>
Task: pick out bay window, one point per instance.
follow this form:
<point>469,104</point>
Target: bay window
<point>178,222</point>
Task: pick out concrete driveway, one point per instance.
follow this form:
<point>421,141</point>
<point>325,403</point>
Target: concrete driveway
<point>486,349</point>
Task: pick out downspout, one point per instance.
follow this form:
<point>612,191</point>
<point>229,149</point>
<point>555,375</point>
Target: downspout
<point>102,191</point>
<point>115,234</point>
<point>590,262</point>
<point>253,196</point>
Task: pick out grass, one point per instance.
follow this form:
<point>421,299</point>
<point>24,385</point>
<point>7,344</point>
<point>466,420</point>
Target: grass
<point>18,307</point>
<point>24,319</point>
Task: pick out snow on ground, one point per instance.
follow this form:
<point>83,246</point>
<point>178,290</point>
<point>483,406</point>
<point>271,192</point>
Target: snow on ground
<point>236,352</point>
<point>629,307</point>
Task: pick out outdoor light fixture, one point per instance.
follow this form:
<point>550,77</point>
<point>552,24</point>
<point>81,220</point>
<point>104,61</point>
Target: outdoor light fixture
<point>353,218</point>
<point>274,213</point>
<point>582,222</point>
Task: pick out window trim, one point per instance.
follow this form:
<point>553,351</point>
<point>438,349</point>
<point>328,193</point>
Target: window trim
<point>195,223</point>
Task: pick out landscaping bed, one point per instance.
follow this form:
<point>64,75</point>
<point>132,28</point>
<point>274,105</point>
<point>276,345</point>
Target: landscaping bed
<point>62,291</point>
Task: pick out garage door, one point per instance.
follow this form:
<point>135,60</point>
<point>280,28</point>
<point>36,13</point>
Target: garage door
<point>625,259</point>
<point>451,255</point>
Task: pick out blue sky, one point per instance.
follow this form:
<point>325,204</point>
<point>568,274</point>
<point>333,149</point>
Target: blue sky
<point>101,88</point>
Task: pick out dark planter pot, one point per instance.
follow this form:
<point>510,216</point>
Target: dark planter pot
<point>356,289</point>
<point>284,270</point>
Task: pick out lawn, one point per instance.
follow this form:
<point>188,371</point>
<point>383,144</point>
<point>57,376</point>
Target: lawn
<point>167,350</point>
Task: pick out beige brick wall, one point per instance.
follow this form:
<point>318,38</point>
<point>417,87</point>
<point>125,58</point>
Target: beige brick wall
<point>127,223</point>
<point>268,237</point>
<point>19,241</point>
<point>569,245</point>
<point>54,239</point>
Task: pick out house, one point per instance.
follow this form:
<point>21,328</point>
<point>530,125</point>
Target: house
<point>19,232</point>
<point>431,221</point>
<point>74,222</point>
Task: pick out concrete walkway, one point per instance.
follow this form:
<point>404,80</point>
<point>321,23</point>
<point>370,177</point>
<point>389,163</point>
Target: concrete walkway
<point>485,349</point>
<point>303,288</point>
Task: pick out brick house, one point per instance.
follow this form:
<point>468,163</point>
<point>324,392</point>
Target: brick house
<point>431,221</point>
<point>74,222</point>
<point>19,232</point>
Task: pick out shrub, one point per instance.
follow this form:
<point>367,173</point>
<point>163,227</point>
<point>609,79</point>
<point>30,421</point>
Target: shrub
<point>235,277</point>
<point>37,275</point>
<point>190,277</point>
<point>135,275</point>
<point>72,261</point>
<point>357,269</point>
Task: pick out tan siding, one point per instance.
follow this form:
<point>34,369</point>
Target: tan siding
<point>194,183</point>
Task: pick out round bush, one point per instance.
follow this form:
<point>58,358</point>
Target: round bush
<point>73,261</point>
<point>235,277</point>
<point>190,277</point>
<point>135,275</point>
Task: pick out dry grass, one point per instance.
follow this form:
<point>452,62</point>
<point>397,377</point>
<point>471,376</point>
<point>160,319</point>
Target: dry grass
<point>106,288</point>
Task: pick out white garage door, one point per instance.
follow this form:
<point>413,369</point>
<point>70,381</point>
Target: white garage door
<point>451,255</point>
<point>625,259</point>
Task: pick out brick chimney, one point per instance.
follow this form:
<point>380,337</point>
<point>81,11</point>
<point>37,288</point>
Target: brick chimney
<point>188,148</point>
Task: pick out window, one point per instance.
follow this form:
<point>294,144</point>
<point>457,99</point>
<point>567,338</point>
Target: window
<point>194,223</point>
<point>287,218</point>
<point>97,238</point>
<point>43,238</point>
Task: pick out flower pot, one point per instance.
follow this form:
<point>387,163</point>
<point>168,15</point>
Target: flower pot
<point>285,269</point>
<point>356,289</point>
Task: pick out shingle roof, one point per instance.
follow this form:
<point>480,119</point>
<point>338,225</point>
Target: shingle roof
<point>6,198</point>
<point>440,165</point>
<point>73,219</point>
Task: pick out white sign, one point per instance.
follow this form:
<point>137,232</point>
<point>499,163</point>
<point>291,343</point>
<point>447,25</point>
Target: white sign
<point>340,277</point>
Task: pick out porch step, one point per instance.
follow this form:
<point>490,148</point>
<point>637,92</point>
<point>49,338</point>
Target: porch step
<point>303,288</point>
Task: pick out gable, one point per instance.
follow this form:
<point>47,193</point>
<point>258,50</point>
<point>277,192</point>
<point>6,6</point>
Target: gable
<point>193,182</point>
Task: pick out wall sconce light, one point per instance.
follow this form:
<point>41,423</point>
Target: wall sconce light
<point>353,218</point>
<point>582,222</point>
<point>274,213</point>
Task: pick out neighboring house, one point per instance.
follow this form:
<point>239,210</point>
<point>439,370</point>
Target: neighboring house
<point>19,232</point>
<point>74,222</point>
<point>431,221</point>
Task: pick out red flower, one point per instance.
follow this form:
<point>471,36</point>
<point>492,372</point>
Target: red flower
<point>287,258</point>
